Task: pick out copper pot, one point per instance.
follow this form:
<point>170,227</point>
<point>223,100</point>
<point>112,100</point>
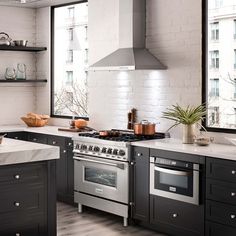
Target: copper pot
<point>144,128</point>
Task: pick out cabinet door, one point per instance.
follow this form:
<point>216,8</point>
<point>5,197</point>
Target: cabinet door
<point>70,175</point>
<point>140,209</point>
<point>214,229</point>
<point>61,174</point>
<point>175,217</point>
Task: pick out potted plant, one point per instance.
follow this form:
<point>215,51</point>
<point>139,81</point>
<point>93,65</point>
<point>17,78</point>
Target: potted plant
<point>188,117</point>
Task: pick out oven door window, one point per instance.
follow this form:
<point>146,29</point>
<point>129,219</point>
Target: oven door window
<point>176,181</point>
<point>100,176</point>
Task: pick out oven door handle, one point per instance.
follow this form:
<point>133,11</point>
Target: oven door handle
<point>120,166</point>
<point>173,172</point>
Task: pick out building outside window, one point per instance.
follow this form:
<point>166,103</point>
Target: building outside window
<point>71,12</point>
<point>214,116</point>
<point>70,34</point>
<point>214,87</point>
<point>69,56</point>
<point>214,31</point>
<point>234,28</point>
<point>214,59</point>
<point>69,78</point>
<point>219,3</point>
<point>69,91</point>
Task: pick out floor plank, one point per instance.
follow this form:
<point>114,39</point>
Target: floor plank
<point>94,223</point>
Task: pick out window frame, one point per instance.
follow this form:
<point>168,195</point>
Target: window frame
<point>205,55</point>
<point>52,62</point>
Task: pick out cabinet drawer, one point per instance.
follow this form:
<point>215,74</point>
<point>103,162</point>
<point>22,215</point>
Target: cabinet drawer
<point>19,174</point>
<point>221,213</point>
<point>19,200</point>
<point>221,170</point>
<point>28,230</point>
<point>177,214</point>
<point>214,229</point>
<point>37,138</point>
<point>17,135</point>
<point>221,191</point>
<point>56,141</point>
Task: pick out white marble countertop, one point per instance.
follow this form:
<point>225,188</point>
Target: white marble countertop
<point>16,151</point>
<point>51,130</point>
<point>227,152</point>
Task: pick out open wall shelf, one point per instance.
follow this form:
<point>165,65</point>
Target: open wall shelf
<point>24,81</point>
<point>21,48</point>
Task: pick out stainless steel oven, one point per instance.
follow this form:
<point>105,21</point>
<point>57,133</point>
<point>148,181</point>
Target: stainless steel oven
<point>102,177</point>
<point>174,179</point>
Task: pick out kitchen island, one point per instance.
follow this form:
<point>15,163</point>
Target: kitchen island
<point>28,189</point>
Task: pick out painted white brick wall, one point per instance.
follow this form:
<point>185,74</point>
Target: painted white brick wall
<point>16,100</point>
<point>173,36</point>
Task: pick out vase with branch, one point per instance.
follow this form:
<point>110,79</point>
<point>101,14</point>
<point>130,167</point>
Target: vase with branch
<point>189,117</point>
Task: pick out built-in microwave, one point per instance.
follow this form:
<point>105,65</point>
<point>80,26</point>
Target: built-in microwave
<point>178,180</point>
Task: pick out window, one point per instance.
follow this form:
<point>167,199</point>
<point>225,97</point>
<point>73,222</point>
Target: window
<point>214,116</point>
<point>70,34</point>
<point>214,57</point>
<point>219,65</point>
<point>215,31</point>
<point>69,56</point>
<point>214,90</point>
<point>69,78</point>
<point>234,58</point>
<point>235,29</point>
<point>69,70</point>
<point>218,3</point>
<point>71,12</point>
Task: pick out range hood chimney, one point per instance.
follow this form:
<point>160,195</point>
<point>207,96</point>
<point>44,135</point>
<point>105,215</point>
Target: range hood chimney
<point>132,54</point>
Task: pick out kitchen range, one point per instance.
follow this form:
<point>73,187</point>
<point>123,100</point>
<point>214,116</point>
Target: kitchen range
<point>103,170</point>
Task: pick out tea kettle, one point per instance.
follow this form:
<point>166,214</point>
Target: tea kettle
<point>5,39</point>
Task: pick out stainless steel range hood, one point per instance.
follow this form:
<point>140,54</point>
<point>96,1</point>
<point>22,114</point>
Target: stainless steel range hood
<point>132,54</point>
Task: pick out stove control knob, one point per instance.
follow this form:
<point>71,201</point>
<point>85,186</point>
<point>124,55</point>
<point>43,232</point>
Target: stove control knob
<point>109,151</point>
<point>90,148</point>
<point>96,149</point>
<point>104,150</point>
<point>83,147</point>
<point>77,146</point>
<point>121,152</point>
<point>115,152</point>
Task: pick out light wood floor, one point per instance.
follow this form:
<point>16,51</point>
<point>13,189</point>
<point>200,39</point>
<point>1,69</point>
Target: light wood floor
<point>94,223</point>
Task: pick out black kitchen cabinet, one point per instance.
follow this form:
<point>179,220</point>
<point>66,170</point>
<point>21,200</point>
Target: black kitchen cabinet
<point>220,197</point>
<point>176,217</point>
<point>64,168</point>
<point>28,199</point>
<point>140,206</point>
<point>17,135</point>
<point>64,165</point>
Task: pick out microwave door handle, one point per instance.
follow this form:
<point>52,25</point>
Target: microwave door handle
<point>173,172</point>
<point>120,166</point>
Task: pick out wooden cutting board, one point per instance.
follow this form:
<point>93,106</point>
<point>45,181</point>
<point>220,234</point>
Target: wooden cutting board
<point>75,129</point>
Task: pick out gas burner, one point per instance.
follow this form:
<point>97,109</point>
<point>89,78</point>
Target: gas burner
<point>125,136</point>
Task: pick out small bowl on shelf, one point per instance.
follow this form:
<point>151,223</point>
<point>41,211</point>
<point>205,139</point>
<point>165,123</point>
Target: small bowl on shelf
<point>203,141</point>
<point>22,43</point>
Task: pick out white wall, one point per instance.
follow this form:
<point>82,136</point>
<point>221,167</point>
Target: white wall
<point>174,36</point>
<point>16,100</point>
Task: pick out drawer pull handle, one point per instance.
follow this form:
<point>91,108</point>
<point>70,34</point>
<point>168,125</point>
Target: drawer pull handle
<point>17,204</point>
<point>233,172</point>
<point>64,151</point>
<point>17,234</point>
<point>17,176</point>
<point>70,144</point>
<point>16,138</point>
<point>232,216</point>
<point>34,139</point>
<point>54,142</point>
<point>175,215</point>
<point>139,154</point>
<point>232,194</point>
